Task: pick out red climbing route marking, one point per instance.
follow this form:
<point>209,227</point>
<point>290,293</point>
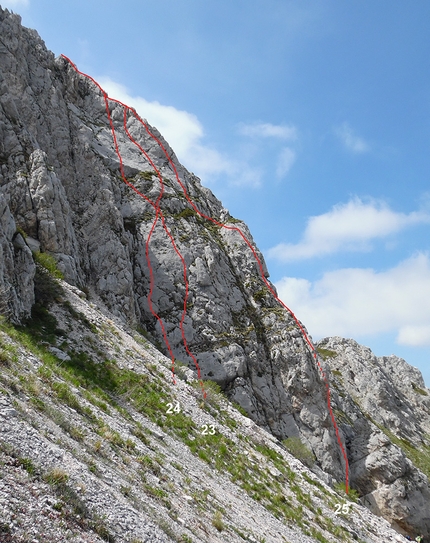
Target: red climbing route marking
<point>159,215</point>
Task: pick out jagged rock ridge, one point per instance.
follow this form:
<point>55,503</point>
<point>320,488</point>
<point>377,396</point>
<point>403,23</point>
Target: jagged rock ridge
<point>61,193</point>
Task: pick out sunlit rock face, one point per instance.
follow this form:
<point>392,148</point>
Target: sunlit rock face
<point>383,408</point>
<point>61,177</point>
<point>62,192</point>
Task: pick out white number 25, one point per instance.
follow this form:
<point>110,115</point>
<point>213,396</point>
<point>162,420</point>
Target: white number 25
<point>344,508</point>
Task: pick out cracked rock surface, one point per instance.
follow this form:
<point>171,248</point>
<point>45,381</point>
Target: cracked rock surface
<point>384,410</point>
<point>61,193</point>
<point>61,179</point>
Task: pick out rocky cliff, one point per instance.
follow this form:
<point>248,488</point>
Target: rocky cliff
<point>383,408</point>
<point>61,178</point>
<point>107,209</point>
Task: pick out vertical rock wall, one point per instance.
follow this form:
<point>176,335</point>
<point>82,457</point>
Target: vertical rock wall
<point>61,175</point>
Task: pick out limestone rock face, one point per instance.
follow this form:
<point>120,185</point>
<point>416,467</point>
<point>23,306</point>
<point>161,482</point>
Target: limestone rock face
<point>384,410</point>
<point>61,175</point>
<point>17,269</point>
<point>131,243</point>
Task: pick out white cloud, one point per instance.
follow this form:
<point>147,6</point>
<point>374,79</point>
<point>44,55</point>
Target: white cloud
<point>415,336</point>
<point>286,159</point>
<point>349,226</point>
<point>350,140</point>
<point>181,129</point>
<point>185,134</point>
<point>286,156</point>
<point>267,130</point>
<point>354,301</point>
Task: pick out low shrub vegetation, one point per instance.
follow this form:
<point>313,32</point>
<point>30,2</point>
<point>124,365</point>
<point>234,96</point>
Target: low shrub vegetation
<point>49,263</point>
<point>217,521</point>
<point>297,448</point>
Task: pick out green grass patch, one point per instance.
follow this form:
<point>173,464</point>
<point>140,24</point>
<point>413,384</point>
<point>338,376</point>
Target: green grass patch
<point>297,448</point>
<point>186,213</point>
<point>420,457</point>
<point>261,294</point>
<point>48,262</point>
<point>66,396</point>
<point>148,175</point>
<point>42,326</point>
<point>218,522</point>
<point>97,377</point>
<point>352,495</point>
<point>326,353</point>
<point>29,340</point>
<point>56,476</point>
<point>159,494</point>
<point>28,465</point>
<point>149,464</point>
<point>8,354</point>
<point>313,482</point>
<point>419,390</point>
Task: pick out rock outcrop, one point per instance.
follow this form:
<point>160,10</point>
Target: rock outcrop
<point>17,268</point>
<point>383,408</point>
<point>62,193</point>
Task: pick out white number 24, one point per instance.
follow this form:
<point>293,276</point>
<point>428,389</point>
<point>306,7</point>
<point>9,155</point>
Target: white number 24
<point>173,408</point>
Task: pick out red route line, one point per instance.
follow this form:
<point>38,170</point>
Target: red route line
<point>217,223</point>
<point>158,214</point>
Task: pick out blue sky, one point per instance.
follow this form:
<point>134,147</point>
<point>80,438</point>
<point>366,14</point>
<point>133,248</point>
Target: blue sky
<point>310,120</point>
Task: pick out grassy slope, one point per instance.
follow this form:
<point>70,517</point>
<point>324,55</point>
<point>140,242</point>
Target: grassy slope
<point>101,375</point>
